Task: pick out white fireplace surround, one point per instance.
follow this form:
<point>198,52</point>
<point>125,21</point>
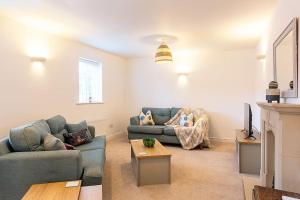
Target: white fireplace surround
<point>280,153</point>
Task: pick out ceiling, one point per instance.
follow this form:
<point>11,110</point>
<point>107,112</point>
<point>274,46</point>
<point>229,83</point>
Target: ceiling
<point>123,26</point>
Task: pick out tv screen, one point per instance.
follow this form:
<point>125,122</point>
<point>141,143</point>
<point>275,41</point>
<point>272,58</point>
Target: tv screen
<point>248,119</point>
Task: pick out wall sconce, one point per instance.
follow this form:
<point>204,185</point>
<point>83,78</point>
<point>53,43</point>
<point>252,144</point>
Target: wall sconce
<point>261,56</point>
<point>38,59</point>
<point>37,64</point>
<point>182,73</point>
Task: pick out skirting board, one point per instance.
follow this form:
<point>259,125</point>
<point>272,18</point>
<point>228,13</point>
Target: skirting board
<point>229,140</point>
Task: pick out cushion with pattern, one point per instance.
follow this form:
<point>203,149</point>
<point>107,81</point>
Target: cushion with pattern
<point>146,119</point>
<point>77,138</point>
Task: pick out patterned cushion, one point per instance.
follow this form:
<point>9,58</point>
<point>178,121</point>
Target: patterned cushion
<point>146,119</point>
<point>52,143</point>
<point>186,120</point>
<point>75,128</point>
<point>77,138</point>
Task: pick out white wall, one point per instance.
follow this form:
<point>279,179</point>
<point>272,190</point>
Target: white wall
<point>219,82</point>
<point>285,11</point>
<point>28,93</point>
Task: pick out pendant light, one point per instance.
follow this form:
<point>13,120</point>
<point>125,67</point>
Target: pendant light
<point>163,54</point>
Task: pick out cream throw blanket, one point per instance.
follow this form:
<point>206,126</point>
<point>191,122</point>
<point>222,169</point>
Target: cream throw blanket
<point>191,137</point>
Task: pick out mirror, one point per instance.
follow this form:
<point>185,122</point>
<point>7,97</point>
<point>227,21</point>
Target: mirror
<point>286,61</point>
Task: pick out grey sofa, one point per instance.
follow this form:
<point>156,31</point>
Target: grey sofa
<point>159,131</point>
<point>19,170</point>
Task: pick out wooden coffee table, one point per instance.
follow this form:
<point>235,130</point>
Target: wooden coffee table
<point>150,165</point>
<point>58,191</point>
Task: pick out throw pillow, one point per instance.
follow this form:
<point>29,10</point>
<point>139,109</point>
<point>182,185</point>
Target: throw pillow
<point>52,143</point>
<point>186,120</point>
<point>146,119</point>
<point>77,138</point>
<point>70,147</point>
<point>75,128</point>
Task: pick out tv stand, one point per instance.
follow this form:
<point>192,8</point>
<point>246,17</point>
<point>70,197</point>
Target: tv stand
<point>248,151</point>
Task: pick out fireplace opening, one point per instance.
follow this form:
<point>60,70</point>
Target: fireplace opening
<point>270,148</point>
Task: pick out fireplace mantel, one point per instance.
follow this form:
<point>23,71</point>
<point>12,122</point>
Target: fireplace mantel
<point>281,107</point>
<point>280,149</point>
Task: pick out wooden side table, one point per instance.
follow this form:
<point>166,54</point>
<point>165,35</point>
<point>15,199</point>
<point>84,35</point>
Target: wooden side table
<point>263,193</point>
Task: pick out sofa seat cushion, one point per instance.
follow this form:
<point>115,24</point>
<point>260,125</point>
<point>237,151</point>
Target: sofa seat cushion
<point>155,130</point>
<point>93,165</point>
<point>29,137</point>
<point>160,115</point>
<point>168,130</point>
<point>99,142</point>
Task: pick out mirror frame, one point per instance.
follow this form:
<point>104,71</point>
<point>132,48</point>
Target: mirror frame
<point>293,26</point>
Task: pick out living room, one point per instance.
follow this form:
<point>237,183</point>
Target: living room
<point>107,77</point>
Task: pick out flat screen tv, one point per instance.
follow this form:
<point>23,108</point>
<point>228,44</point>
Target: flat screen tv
<point>248,121</point>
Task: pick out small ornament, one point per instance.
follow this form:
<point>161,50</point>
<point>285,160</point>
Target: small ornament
<point>273,93</point>
<point>291,85</point>
<point>273,85</point>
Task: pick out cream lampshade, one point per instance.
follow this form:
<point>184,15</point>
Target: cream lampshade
<point>163,54</point>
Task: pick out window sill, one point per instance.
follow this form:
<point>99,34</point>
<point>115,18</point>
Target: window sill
<point>89,103</point>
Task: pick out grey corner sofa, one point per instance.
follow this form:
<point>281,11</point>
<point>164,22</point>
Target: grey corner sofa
<point>162,133</point>
<point>19,170</point>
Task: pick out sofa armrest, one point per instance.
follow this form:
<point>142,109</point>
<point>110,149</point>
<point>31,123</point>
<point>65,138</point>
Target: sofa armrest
<point>134,120</point>
<point>92,130</point>
<point>19,170</point>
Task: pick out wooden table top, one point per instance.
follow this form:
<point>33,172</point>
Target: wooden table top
<point>52,191</point>
<point>140,151</point>
<point>263,193</point>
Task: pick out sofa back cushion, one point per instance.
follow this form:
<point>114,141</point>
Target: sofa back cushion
<point>174,110</point>
<point>56,124</point>
<point>29,137</point>
<point>160,115</point>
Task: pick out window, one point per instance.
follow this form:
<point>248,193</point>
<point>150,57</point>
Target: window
<point>90,81</point>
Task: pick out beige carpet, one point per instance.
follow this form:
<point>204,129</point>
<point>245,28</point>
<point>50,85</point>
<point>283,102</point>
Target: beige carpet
<point>198,174</point>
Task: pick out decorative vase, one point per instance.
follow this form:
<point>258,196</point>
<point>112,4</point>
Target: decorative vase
<point>149,142</point>
<point>273,93</point>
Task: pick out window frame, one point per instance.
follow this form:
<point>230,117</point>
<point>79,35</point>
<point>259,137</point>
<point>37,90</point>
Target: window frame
<point>78,82</point>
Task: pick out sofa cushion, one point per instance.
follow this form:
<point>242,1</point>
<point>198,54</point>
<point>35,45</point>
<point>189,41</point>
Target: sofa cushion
<point>174,110</point>
<point>99,142</point>
<point>156,130</point>
<point>29,137</point>
<point>56,124</point>
<point>5,146</point>
<point>168,130</point>
<point>74,128</point>
<point>160,115</point>
<point>60,135</point>
<point>93,164</point>
<point>146,119</point>
<point>78,138</point>
<point>52,143</point>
